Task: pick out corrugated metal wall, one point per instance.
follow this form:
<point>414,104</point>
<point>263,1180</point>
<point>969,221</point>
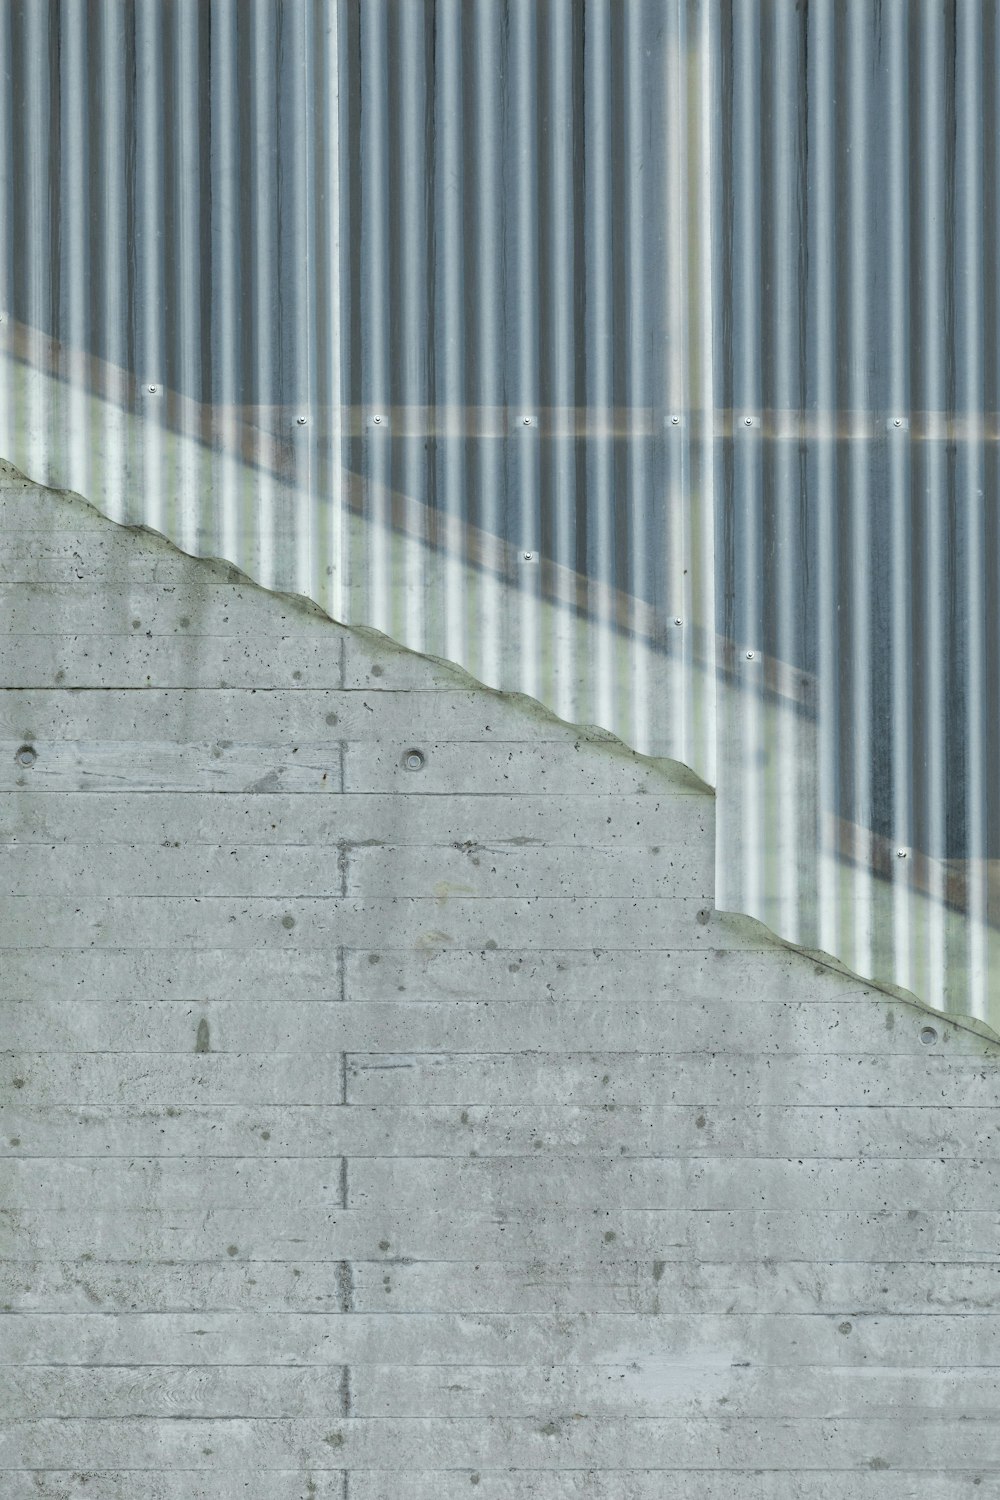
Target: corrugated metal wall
<point>859,555</point>
<point>634,355</point>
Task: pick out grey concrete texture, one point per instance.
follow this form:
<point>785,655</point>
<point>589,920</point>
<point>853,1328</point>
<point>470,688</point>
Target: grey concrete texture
<point>377,1133</point>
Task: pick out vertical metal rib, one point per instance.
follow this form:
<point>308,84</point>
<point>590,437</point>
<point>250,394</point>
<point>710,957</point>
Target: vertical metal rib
<point>743,830</point>
<point>861,419</point>
<point>74,178</point>
<point>789,803</point>
<point>563,272</point>
<point>971,481</point>
<point>413,107</point>
<point>681,183</point>
<point>333,540</point>
<point>487,329</point>
<point>823,457</point>
<point>374,311</point>
<point>225,271</point>
<point>111,226</point>
<point>636,335</point>
<point>899,417</point>
<point>933,316</point>
<point>526,416</point>
<point>701,499</point>
<point>151,369</point>
<point>263,543</point>
<point>303,299</point>
<point>599,336</point>
<point>450,334</point>
<point>43,444</point>
<point>9,394</point>
<point>184,295</point>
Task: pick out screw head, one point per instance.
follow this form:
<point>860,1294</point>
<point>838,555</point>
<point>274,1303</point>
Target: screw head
<point>300,421</point>
<point>900,853</point>
<point>377,421</point>
<point>151,389</point>
<point>897,422</point>
<point>26,755</point>
<point>413,760</point>
<point>526,556</point>
<point>748,421</point>
<point>749,656</point>
<point>526,421</point>
<point>675,421</point>
<point>677,619</point>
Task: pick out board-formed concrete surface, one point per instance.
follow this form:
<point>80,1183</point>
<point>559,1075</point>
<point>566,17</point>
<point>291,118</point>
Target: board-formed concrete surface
<point>416,1134</point>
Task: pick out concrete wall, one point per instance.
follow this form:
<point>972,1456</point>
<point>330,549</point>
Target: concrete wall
<point>414,1135</point>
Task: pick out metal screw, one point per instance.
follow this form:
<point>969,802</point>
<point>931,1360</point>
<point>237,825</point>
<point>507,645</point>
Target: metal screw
<point>301,421</point>
<point>527,556</point>
<point>749,656</point>
<point>748,421</point>
<point>675,421</point>
<point>677,620</point>
<point>413,760</point>
<point>897,421</point>
<point>526,421</point>
<point>900,853</point>
<point>377,421</point>
<point>151,389</point>
<point>26,756</point>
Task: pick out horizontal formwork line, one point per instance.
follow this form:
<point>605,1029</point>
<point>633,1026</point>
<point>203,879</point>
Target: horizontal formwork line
<point>344,737</point>
<point>178,636</point>
<point>605,1264</point>
<point>534,1319</point>
<point>455,1418</point>
<point>354,902</point>
<point>506,1472</point>
<point>468,1100</point>
<point>487,844</point>
<point>331,946</point>
<point>554,1212</point>
<point>609,1260</point>
<point>724,1422</point>
<point>772,1009</point>
<point>64,689</point>
<point>721,1052</point>
<point>902,1371</point>
<point>446,1003</point>
<point>441,902</point>
<point>761,1111</point>
<point>329,795</point>
<point>486,1160</point>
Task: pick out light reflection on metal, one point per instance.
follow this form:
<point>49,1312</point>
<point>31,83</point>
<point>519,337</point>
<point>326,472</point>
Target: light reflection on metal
<point>528,345</point>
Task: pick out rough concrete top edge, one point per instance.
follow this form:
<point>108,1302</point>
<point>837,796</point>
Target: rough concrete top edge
<point>679,776</point>
<point>748,927</point>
